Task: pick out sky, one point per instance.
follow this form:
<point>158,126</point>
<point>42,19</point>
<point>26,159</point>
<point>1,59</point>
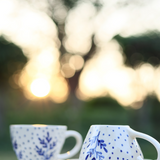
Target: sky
<point>28,24</point>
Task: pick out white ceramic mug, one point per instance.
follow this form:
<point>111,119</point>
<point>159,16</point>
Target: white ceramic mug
<point>42,142</point>
<point>114,142</point>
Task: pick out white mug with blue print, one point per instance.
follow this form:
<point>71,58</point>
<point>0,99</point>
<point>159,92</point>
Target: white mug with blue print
<point>114,142</point>
<point>42,142</point>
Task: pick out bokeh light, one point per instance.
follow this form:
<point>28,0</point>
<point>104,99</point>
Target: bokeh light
<point>40,87</point>
<point>34,31</point>
<point>45,58</point>
<point>70,64</point>
<point>59,89</point>
<point>77,61</point>
<point>79,28</point>
<point>68,70</point>
<point>106,74</point>
<point>29,25</point>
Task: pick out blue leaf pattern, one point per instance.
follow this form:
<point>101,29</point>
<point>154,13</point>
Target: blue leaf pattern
<point>93,151</point>
<point>15,147</point>
<point>20,155</point>
<point>47,146</point>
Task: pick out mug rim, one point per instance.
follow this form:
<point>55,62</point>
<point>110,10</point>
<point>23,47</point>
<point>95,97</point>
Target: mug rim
<point>103,125</point>
<point>38,125</point>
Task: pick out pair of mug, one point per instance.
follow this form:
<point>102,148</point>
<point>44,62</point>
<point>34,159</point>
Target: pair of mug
<point>102,142</point>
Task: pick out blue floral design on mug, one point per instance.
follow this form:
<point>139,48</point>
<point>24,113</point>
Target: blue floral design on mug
<point>93,152</point>
<point>15,147</point>
<point>109,142</point>
<point>42,142</point>
<point>46,145</point>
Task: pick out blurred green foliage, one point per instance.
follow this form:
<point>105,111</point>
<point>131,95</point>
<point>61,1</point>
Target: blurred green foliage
<point>141,48</point>
<point>12,59</point>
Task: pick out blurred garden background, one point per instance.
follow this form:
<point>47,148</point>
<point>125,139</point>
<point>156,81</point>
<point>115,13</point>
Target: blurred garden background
<point>78,63</point>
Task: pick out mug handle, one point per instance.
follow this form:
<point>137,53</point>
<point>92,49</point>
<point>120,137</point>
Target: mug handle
<point>156,144</point>
<point>77,146</point>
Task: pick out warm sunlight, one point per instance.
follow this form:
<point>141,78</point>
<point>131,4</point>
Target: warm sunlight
<point>46,58</point>
<point>59,89</point>
<point>31,28</point>
<point>77,61</point>
<point>37,35</point>
<point>79,28</point>
<point>40,87</point>
<point>39,125</point>
<point>106,73</point>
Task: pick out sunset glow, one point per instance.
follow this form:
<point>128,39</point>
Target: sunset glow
<point>105,73</point>
<point>40,87</point>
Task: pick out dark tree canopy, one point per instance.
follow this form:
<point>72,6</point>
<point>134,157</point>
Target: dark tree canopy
<point>12,59</point>
<point>139,49</point>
